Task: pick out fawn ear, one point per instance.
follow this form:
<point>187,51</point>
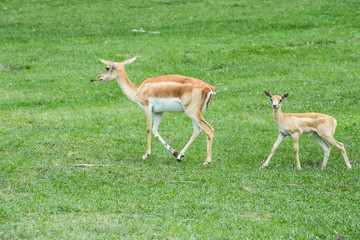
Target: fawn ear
<point>285,95</point>
<point>268,94</point>
<point>126,62</point>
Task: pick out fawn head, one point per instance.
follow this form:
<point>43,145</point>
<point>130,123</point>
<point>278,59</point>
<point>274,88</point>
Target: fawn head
<point>276,99</point>
<point>114,70</point>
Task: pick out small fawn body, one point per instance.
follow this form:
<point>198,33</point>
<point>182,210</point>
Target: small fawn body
<point>170,93</point>
<point>294,124</point>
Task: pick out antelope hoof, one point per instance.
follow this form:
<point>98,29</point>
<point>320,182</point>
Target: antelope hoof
<point>207,162</point>
<point>175,153</point>
<point>179,157</point>
<point>145,156</point>
<point>298,168</point>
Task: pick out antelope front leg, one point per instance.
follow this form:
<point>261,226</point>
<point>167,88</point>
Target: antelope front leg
<point>296,150</point>
<point>148,113</point>
<point>276,145</point>
<point>157,120</point>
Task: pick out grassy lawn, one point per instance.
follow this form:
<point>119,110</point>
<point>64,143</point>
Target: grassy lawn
<point>53,120</point>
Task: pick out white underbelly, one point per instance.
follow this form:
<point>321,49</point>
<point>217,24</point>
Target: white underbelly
<point>166,105</point>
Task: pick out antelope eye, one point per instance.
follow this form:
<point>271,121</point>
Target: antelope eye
<point>107,68</point>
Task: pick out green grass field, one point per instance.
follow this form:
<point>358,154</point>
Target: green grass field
<point>53,119</point>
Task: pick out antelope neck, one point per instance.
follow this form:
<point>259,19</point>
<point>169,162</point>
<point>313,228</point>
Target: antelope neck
<point>277,114</point>
<point>128,88</point>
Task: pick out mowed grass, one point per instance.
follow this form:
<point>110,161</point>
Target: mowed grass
<point>53,120</point>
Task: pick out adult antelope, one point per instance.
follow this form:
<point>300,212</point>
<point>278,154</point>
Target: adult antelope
<point>169,93</point>
<point>294,124</point>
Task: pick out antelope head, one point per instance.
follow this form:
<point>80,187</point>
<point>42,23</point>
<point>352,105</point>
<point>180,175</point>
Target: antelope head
<point>276,99</point>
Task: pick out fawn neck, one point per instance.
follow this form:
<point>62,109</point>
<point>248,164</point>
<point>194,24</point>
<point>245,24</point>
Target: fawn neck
<point>278,116</point>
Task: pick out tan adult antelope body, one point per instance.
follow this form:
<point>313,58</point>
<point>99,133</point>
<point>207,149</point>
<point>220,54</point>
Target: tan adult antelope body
<point>169,93</point>
<point>294,124</point>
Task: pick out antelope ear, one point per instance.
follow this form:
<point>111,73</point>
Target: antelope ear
<point>105,62</point>
<point>268,94</point>
<point>285,95</point>
<point>126,62</point>
<point>108,63</point>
